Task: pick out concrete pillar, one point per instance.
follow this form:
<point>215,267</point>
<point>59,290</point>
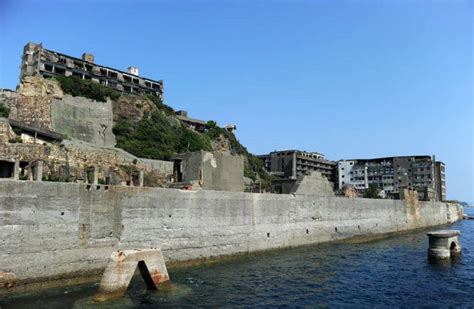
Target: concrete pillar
<point>95,180</point>
<point>122,266</point>
<point>16,170</point>
<point>39,170</point>
<point>29,171</point>
<point>141,178</point>
<point>293,167</point>
<point>444,244</point>
<point>366,176</point>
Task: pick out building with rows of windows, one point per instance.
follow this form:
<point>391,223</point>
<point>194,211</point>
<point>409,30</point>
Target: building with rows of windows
<point>37,60</point>
<point>390,174</point>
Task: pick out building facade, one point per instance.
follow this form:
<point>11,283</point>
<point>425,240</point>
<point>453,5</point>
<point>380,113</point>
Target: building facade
<point>39,61</point>
<point>390,174</point>
<point>289,165</point>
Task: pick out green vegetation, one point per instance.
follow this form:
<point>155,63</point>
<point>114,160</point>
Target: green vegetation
<point>154,137</point>
<point>4,111</point>
<point>17,139</point>
<point>78,87</point>
<point>372,192</point>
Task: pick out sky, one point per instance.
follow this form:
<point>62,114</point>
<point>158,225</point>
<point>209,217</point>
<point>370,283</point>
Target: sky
<point>350,79</point>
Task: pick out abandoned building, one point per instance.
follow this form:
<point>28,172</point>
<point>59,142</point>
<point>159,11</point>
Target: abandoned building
<point>37,154</point>
<point>390,174</point>
<point>288,165</point>
<point>194,124</point>
<point>37,60</point>
<point>208,171</point>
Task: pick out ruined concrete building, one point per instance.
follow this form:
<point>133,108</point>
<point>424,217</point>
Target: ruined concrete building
<point>39,61</point>
<point>209,171</point>
<point>194,124</point>
<point>392,174</point>
<point>289,165</point>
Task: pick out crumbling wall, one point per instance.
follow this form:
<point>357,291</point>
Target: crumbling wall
<point>84,119</point>
<point>33,104</point>
<point>69,160</point>
<point>213,170</point>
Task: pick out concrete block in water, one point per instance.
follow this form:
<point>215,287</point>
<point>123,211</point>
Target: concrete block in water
<point>121,267</point>
<point>444,244</point>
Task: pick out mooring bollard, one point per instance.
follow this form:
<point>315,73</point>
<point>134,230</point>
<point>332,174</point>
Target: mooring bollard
<point>121,267</point>
<point>444,244</point>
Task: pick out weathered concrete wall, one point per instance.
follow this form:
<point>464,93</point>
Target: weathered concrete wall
<point>213,170</point>
<point>84,119</point>
<point>64,232</point>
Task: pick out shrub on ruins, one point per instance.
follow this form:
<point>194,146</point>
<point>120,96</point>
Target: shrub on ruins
<point>4,111</point>
<point>78,87</point>
<point>154,137</point>
<point>372,192</point>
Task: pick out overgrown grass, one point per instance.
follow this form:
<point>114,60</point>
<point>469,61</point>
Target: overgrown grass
<point>78,87</point>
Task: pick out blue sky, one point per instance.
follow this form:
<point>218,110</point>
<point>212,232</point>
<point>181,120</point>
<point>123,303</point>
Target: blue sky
<point>350,79</point>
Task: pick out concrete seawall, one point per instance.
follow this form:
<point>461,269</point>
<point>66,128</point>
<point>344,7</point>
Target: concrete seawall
<point>64,233</point>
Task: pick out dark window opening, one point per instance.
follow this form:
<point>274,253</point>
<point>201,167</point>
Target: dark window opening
<point>6,169</point>
<point>128,79</point>
<point>135,81</point>
<point>177,174</point>
<point>59,70</point>
<point>113,74</point>
<point>48,67</point>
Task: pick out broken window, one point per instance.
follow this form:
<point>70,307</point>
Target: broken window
<point>77,74</point>
<point>79,65</point>
<point>88,67</point>
<point>148,84</point>
<point>156,86</point>
<point>128,79</point>
<point>48,67</point>
<point>62,60</point>
<point>59,70</point>
<point>112,74</point>
<point>135,81</point>
<point>127,88</point>
<point>103,72</point>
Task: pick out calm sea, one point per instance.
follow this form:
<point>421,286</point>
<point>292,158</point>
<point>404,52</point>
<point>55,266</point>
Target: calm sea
<point>384,273</point>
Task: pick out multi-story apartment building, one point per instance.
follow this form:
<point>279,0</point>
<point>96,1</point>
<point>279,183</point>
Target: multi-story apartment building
<point>39,61</point>
<point>289,164</point>
<point>390,174</point>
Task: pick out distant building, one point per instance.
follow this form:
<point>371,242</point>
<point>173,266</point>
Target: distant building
<point>389,174</point>
<point>194,124</point>
<point>37,60</point>
<point>288,165</point>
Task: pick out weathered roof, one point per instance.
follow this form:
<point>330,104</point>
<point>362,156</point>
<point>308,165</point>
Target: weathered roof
<point>39,131</point>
